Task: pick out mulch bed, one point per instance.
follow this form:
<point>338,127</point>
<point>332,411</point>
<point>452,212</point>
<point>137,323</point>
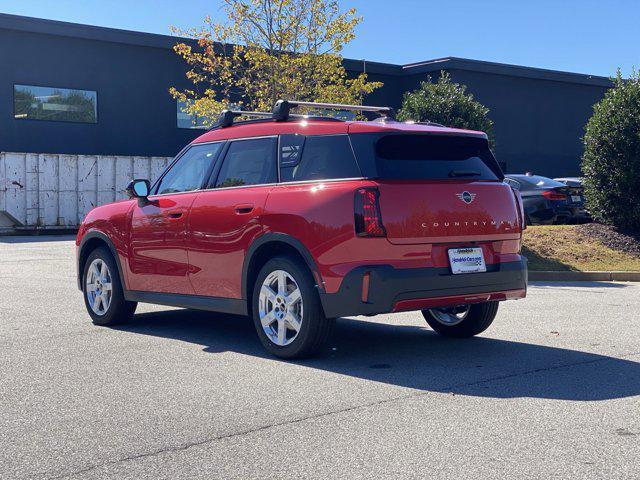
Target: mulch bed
<point>612,238</point>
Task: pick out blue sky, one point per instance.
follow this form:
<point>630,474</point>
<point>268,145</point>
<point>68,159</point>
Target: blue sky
<point>585,36</point>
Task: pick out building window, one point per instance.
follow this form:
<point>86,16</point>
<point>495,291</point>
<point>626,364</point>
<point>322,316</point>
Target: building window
<point>187,120</point>
<point>54,104</point>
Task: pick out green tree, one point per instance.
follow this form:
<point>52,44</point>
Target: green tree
<point>447,103</point>
<point>611,160</point>
<point>270,49</point>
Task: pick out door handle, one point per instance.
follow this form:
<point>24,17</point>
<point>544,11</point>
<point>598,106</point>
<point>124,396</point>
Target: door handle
<point>244,208</point>
<point>174,214</point>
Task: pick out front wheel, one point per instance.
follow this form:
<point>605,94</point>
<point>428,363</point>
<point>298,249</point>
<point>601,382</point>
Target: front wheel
<point>286,309</point>
<point>102,289</point>
<point>461,321</point>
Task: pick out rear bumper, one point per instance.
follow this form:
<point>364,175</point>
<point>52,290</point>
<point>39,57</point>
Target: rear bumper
<point>392,290</point>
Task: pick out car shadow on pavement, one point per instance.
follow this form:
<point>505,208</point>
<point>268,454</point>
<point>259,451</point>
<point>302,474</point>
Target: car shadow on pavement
<point>417,358</point>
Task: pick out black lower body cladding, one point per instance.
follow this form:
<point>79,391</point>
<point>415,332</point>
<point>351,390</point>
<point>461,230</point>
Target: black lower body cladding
<point>388,285</point>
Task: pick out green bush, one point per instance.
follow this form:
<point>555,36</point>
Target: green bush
<point>446,103</point>
<point>611,160</point>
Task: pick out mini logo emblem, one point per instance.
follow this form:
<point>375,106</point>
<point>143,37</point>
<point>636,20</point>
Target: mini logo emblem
<point>466,197</point>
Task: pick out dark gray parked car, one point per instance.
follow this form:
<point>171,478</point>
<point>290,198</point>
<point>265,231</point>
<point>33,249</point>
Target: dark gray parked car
<point>547,201</point>
<point>571,182</point>
<point>577,186</point>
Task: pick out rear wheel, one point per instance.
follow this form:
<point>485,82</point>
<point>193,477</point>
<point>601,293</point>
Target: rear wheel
<point>462,321</point>
<point>286,309</point>
<point>102,289</point>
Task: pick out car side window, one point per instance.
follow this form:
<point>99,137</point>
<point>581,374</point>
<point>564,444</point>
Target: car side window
<point>248,162</point>
<point>189,171</point>
<point>321,158</point>
<point>291,146</point>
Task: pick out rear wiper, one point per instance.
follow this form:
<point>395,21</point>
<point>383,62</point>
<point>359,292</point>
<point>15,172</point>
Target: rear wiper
<point>464,173</point>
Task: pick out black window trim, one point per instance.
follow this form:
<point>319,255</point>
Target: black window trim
<point>54,121</point>
<point>278,176</point>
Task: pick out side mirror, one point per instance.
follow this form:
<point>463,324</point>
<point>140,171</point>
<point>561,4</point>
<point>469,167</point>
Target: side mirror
<point>140,189</point>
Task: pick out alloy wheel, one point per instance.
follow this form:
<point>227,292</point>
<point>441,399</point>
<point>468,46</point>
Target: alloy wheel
<point>98,286</point>
<point>280,307</point>
<point>450,316</point>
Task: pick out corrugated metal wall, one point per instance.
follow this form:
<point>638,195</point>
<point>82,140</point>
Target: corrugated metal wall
<point>56,191</point>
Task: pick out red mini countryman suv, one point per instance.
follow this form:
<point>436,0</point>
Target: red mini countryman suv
<point>297,220</point>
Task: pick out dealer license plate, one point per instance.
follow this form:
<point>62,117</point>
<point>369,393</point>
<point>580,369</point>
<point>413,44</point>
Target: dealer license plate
<point>467,260</point>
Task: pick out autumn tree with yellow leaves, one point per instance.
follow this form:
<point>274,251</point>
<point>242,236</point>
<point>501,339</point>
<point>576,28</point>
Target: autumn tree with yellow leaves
<point>266,50</point>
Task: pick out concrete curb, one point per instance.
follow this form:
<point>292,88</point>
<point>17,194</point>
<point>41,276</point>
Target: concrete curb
<point>569,276</point>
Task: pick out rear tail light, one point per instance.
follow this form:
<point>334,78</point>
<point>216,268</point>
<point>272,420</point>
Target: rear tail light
<point>367,213</point>
<point>520,208</point>
<point>554,195</point>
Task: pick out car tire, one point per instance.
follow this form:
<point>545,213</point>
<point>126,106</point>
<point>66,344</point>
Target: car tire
<point>287,327</point>
<point>462,322</point>
<point>100,278</point>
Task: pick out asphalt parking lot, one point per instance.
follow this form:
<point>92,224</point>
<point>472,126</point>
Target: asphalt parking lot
<point>551,390</point>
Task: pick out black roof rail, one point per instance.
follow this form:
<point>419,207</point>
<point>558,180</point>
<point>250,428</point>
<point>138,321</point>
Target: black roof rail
<point>227,117</point>
<point>282,108</point>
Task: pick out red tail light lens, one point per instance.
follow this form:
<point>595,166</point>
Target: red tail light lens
<point>520,207</point>
<point>367,213</point>
<point>554,195</point>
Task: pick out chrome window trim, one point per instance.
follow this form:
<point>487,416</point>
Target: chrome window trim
<point>240,186</point>
<point>235,139</point>
<point>300,182</point>
<point>323,181</point>
<point>277,137</point>
<point>174,193</point>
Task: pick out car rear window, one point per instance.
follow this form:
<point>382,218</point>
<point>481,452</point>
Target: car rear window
<point>322,157</point>
<point>538,181</point>
<point>416,156</point>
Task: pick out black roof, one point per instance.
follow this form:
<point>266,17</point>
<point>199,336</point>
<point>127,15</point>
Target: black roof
<point>455,63</point>
<point>76,30</point>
